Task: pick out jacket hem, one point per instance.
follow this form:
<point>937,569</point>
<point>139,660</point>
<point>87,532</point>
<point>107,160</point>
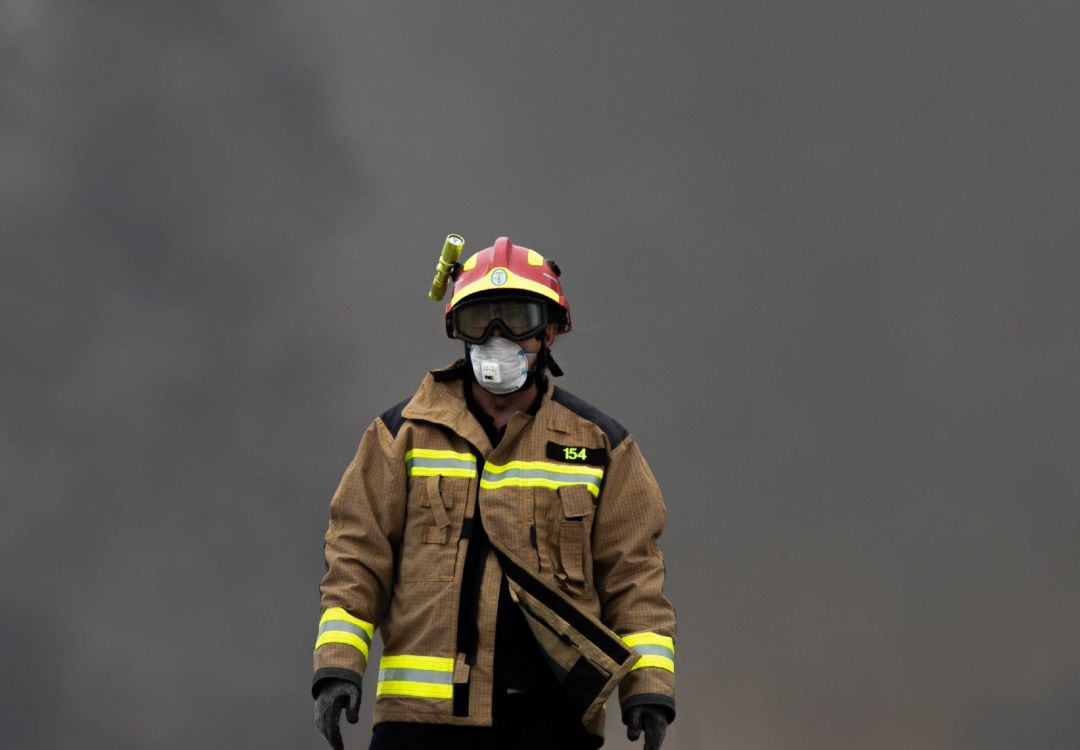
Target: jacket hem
<point>411,716</point>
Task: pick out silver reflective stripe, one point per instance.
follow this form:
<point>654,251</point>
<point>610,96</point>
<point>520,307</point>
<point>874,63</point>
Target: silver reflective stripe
<point>416,675</point>
<point>418,462</point>
<point>654,650</point>
<point>346,627</point>
<point>551,476</point>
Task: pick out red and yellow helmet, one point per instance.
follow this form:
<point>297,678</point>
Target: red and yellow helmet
<point>506,269</point>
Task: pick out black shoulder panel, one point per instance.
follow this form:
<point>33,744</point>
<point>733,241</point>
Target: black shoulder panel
<point>615,432</point>
<point>392,417</point>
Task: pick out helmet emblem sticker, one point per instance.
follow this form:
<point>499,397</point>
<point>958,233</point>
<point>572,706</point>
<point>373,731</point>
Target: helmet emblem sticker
<point>498,277</point>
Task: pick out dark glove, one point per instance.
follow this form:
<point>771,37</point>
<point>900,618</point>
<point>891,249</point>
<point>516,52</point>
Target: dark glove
<point>652,719</point>
<point>334,695</point>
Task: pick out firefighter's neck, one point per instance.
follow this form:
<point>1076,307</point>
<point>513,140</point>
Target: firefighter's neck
<point>502,408</point>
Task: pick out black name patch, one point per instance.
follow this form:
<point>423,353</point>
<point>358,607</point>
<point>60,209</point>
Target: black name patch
<point>577,454</point>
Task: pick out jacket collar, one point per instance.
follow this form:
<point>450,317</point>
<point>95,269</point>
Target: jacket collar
<point>441,400</point>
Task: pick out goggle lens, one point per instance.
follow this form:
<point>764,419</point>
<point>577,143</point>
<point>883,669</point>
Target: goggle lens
<point>518,319</point>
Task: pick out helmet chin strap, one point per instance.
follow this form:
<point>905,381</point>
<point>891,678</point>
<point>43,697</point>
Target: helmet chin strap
<point>546,361</point>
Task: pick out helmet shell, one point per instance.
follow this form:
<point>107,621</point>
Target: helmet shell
<point>512,270</point>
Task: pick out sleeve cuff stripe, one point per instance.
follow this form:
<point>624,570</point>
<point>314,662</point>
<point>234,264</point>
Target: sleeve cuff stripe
<point>337,613</point>
<point>336,636</point>
<point>649,639</point>
<point>655,651</point>
<point>341,626</point>
<point>660,662</point>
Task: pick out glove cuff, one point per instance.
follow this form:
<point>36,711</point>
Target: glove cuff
<point>336,673</point>
<point>663,703</point>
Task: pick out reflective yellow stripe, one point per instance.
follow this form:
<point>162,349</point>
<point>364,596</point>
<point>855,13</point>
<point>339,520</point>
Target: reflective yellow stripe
<point>415,689</point>
<point>545,483</point>
<point>652,660</point>
<point>427,462</point>
<point>338,626</point>
<point>544,466</point>
<point>431,663</point>
<point>649,639</point>
<point>422,471</point>
<point>416,676</point>
<point>336,636</point>
<point>656,650</point>
<point>431,453</point>
<point>551,476</point>
<point>337,613</point>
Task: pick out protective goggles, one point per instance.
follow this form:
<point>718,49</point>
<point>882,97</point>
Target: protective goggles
<point>517,319</point>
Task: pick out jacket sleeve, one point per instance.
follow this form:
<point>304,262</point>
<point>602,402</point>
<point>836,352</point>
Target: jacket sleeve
<point>366,519</point>
<point>629,576</point>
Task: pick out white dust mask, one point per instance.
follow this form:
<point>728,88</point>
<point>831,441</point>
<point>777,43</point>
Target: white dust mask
<point>500,365</point>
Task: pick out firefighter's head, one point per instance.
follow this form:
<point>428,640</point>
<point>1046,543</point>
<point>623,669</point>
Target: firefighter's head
<point>508,306</point>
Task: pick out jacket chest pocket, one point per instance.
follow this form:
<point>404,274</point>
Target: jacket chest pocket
<point>571,532</point>
<point>432,527</point>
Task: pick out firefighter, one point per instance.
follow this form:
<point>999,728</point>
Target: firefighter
<point>501,534</point>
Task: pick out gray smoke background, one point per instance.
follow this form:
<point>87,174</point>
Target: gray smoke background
<point>823,263</point>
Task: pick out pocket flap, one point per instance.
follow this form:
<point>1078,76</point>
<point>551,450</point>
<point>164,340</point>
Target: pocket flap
<point>577,501</point>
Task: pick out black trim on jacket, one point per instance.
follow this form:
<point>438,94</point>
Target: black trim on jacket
<point>392,417</point>
<point>615,432</point>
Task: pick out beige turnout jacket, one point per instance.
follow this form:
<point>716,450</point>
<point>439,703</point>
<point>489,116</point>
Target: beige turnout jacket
<point>570,513</point>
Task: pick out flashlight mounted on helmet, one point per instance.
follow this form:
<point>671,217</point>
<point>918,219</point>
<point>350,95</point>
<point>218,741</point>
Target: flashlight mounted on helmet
<point>446,266</point>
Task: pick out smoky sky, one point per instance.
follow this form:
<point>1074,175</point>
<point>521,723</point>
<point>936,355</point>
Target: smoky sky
<point>821,260</point>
